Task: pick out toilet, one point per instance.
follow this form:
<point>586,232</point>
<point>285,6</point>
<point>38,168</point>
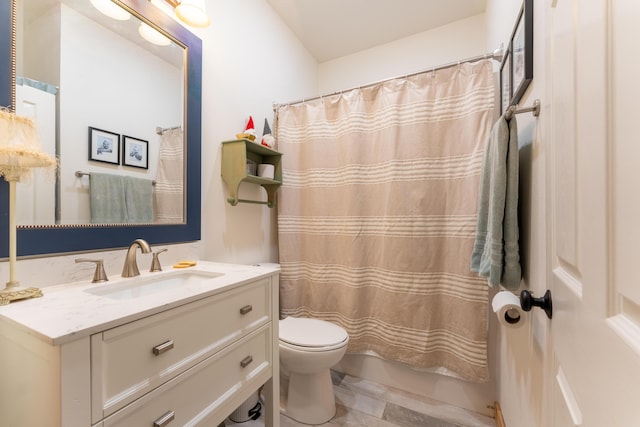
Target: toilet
<point>308,348</point>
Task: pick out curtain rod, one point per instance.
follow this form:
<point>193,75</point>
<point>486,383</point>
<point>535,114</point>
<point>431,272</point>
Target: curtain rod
<point>495,55</point>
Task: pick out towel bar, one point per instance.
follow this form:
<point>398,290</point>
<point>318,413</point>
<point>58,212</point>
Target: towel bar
<point>234,202</point>
<point>513,109</point>
<point>80,174</point>
<point>161,130</point>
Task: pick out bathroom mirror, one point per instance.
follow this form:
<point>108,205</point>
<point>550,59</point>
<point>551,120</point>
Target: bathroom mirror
<point>38,238</point>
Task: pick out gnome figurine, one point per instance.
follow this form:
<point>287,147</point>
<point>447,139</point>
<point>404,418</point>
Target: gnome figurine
<point>249,131</point>
<point>267,139</point>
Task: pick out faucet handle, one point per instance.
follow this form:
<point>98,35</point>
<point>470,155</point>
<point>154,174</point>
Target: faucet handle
<point>155,262</point>
<point>99,275</point>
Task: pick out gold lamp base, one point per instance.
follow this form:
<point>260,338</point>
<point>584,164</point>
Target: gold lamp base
<point>14,292</point>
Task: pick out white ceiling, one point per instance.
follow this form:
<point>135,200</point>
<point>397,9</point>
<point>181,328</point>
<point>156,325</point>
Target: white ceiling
<point>334,28</point>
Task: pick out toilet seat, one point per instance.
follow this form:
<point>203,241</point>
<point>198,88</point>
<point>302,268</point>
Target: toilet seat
<point>304,334</point>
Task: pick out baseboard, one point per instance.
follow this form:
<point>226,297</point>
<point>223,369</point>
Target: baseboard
<point>498,416</point>
<point>476,397</point>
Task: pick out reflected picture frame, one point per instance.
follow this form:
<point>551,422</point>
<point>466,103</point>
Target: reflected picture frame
<point>104,146</point>
<point>521,51</point>
<point>505,81</point>
<point>135,152</point>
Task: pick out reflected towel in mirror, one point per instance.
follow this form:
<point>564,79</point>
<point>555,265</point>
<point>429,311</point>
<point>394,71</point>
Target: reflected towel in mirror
<point>138,194</point>
<point>118,199</point>
<point>107,199</point>
<point>169,193</point>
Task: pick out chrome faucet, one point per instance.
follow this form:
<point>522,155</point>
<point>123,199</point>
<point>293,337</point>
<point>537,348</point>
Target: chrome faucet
<point>130,268</point>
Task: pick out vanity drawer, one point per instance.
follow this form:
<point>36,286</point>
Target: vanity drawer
<point>197,393</point>
<point>130,360</point>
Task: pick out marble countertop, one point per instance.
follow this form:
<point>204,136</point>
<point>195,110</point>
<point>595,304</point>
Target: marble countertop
<point>75,310</point>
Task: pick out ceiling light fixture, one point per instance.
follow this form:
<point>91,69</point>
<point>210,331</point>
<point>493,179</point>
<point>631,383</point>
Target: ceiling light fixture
<point>110,9</point>
<point>191,12</point>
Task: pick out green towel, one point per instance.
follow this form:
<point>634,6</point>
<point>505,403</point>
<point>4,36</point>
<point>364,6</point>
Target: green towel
<point>138,194</point>
<point>107,201</point>
<point>496,253</point>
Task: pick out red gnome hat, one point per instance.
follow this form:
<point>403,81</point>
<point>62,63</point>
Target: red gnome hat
<point>250,125</point>
<point>249,131</point>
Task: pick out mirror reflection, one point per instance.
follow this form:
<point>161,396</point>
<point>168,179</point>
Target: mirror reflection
<point>107,93</point>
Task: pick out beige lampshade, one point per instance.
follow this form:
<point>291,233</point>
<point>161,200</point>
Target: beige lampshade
<point>193,12</point>
<point>20,147</point>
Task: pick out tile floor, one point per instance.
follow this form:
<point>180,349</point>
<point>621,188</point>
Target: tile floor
<point>365,403</point>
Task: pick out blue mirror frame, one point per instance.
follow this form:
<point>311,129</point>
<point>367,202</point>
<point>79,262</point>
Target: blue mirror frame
<point>60,239</point>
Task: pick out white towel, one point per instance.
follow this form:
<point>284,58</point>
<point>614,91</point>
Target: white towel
<point>496,249</point>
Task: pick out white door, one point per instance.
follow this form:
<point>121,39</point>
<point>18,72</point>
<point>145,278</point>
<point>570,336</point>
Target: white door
<point>594,223</point>
<point>35,197</point>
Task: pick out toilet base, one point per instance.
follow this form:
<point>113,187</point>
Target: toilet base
<point>310,399</point>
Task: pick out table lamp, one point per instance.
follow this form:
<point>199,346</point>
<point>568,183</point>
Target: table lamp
<point>19,153</point>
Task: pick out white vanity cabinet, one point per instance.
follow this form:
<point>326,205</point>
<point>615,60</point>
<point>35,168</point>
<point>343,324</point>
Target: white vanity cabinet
<point>186,363</point>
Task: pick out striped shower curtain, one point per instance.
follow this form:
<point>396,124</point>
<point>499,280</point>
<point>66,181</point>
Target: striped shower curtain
<point>377,213</point>
<point>168,197</point>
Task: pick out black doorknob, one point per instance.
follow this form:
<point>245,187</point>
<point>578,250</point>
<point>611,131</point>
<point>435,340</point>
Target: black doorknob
<point>528,301</point>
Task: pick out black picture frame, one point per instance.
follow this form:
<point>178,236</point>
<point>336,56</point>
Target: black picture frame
<point>505,81</point>
<point>521,50</point>
<point>135,152</point>
<point>104,146</point>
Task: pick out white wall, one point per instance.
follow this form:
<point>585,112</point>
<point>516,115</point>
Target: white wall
<point>521,359</point>
<point>250,60</point>
<point>450,43</point>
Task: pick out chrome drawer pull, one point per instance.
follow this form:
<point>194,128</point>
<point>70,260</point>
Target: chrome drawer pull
<point>161,348</point>
<point>165,419</point>
<point>246,309</point>
<point>245,362</point>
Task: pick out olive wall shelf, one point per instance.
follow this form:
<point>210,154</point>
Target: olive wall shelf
<point>236,155</point>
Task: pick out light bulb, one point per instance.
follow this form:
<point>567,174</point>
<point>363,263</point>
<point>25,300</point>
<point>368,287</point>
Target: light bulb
<point>110,9</point>
<point>152,35</point>
<point>193,12</point>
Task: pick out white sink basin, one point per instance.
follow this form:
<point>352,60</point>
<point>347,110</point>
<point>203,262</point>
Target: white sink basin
<point>142,286</point>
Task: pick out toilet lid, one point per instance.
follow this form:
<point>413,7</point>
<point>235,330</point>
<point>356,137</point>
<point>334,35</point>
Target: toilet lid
<point>306,332</point>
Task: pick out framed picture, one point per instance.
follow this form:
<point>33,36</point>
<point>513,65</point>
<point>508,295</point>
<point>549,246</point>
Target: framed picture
<point>104,146</point>
<point>505,81</point>
<point>521,47</point>
<point>135,152</point>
